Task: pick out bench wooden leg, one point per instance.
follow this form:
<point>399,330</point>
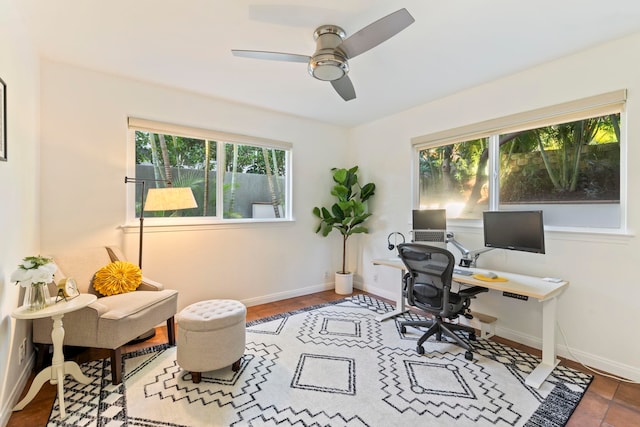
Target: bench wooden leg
<point>236,365</point>
<point>196,377</point>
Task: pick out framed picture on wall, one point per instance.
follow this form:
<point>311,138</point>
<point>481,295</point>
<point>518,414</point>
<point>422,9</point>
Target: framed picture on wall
<point>3,121</point>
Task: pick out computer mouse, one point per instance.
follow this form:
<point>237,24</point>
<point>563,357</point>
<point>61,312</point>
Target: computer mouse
<point>491,275</point>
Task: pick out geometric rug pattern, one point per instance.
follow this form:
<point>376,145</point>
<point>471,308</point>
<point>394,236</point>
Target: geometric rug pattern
<point>328,365</point>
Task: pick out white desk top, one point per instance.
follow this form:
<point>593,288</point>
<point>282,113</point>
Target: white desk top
<point>534,287</point>
<point>55,308</point>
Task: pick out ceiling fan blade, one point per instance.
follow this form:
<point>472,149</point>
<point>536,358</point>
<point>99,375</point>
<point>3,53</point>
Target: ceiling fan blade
<point>273,56</point>
<point>375,33</point>
<point>344,87</point>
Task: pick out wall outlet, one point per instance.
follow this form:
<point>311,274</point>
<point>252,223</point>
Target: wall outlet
<point>22,351</point>
<point>375,277</point>
<point>327,275</point>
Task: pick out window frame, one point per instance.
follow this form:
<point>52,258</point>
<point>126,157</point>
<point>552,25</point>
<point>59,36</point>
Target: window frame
<point>220,138</point>
<point>598,105</point>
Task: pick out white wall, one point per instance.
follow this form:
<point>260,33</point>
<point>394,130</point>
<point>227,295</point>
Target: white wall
<point>599,312</point>
<point>19,188</point>
<point>84,151</point>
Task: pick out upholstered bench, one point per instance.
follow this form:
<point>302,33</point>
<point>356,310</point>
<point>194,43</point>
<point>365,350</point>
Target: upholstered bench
<point>211,335</point>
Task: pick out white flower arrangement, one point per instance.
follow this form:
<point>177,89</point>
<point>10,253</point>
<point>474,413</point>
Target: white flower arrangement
<point>34,270</point>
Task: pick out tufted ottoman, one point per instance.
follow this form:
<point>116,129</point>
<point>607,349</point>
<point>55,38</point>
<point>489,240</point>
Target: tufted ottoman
<point>211,335</point>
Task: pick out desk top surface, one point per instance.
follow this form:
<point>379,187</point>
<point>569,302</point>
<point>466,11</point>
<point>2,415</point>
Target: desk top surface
<point>534,287</point>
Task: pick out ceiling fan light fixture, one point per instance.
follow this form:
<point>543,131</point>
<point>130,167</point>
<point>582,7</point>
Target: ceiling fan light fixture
<point>328,67</point>
<point>328,63</point>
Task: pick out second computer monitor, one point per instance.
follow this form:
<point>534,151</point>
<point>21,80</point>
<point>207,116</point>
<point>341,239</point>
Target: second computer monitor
<point>429,225</point>
<point>515,230</point>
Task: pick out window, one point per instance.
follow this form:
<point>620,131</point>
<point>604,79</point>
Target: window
<point>454,176</point>
<point>565,160</point>
<point>254,181</point>
<point>233,177</point>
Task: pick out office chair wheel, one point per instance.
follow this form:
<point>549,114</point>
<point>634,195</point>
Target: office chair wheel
<point>420,349</point>
<point>468,355</point>
<point>403,329</point>
<point>472,336</point>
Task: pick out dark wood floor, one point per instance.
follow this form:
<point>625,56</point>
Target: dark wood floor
<point>607,402</point>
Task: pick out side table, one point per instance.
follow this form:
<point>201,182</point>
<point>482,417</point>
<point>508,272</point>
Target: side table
<point>59,368</point>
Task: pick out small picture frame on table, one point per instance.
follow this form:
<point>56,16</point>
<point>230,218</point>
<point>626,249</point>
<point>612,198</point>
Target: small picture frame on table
<point>3,121</point>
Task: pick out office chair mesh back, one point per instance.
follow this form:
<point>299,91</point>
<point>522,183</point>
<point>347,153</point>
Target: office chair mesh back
<point>428,287</point>
<point>429,275</point>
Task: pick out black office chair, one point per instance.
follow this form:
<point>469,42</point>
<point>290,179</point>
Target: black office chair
<point>428,287</point>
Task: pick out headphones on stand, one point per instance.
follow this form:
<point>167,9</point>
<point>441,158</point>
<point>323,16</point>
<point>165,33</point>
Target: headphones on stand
<point>393,245</point>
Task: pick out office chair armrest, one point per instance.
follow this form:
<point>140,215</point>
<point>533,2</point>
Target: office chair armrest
<point>474,290</point>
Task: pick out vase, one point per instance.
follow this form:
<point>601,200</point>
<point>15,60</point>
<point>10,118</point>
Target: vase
<point>36,296</point>
<point>344,283</point>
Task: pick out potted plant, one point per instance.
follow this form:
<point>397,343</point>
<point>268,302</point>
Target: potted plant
<point>347,216</point>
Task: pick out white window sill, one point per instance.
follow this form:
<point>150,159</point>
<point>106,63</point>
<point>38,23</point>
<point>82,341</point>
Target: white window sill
<point>611,235</point>
<point>155,225</point>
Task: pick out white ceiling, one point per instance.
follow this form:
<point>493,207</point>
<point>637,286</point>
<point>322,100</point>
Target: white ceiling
<point>453,45</point>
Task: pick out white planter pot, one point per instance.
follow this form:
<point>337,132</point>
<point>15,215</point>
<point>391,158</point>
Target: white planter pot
<point>344,283</point>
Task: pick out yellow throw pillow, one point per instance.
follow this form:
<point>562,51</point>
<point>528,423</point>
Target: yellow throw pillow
<point>117,277</point>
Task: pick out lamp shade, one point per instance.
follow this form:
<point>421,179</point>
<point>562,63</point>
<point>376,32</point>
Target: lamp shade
<point>169,199</point>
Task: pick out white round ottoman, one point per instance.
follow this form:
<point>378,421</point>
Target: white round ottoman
<point>211,335</point>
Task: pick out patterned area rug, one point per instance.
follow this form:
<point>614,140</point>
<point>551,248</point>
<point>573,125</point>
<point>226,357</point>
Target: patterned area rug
<point>329,365</point>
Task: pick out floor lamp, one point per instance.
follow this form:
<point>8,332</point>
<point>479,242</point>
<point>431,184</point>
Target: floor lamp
<point>161,199</point>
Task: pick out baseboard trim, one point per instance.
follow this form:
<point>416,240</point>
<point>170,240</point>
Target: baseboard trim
<point>16,391</point>
<point>606,366</point>
<point>602,364</point>
<point>375,291</point>
<point>278,296</point>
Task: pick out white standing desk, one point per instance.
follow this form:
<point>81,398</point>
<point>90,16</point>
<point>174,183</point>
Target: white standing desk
<point>544,291</point>
<point>59,368</point>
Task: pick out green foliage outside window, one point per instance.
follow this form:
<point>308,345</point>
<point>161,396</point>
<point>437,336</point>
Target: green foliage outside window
<point>575,162</point>
<point>192,162</point>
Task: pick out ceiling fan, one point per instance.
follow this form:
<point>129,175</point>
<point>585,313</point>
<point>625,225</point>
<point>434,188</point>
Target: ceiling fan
<point>329,61</point>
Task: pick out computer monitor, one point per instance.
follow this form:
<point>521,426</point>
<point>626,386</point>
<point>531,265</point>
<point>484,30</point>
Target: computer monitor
<point>515,230</point>
<point>429,225</point>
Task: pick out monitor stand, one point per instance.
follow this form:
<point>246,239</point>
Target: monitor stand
<point>468,258</point>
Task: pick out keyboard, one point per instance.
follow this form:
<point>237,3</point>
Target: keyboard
<point>462,272</point>
<point>428,235</point>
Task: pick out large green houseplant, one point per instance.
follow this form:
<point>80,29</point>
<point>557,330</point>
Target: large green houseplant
<point>348,213</point>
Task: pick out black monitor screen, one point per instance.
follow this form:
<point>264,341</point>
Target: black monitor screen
<point>517,230</point>
<point>430,219</point>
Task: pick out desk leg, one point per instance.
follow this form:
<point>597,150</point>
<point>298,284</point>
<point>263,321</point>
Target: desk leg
<point>399,303</point>
<point>549,360</point>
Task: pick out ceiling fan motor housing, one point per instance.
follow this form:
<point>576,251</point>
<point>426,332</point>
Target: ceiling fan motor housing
<point>328,63</point>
